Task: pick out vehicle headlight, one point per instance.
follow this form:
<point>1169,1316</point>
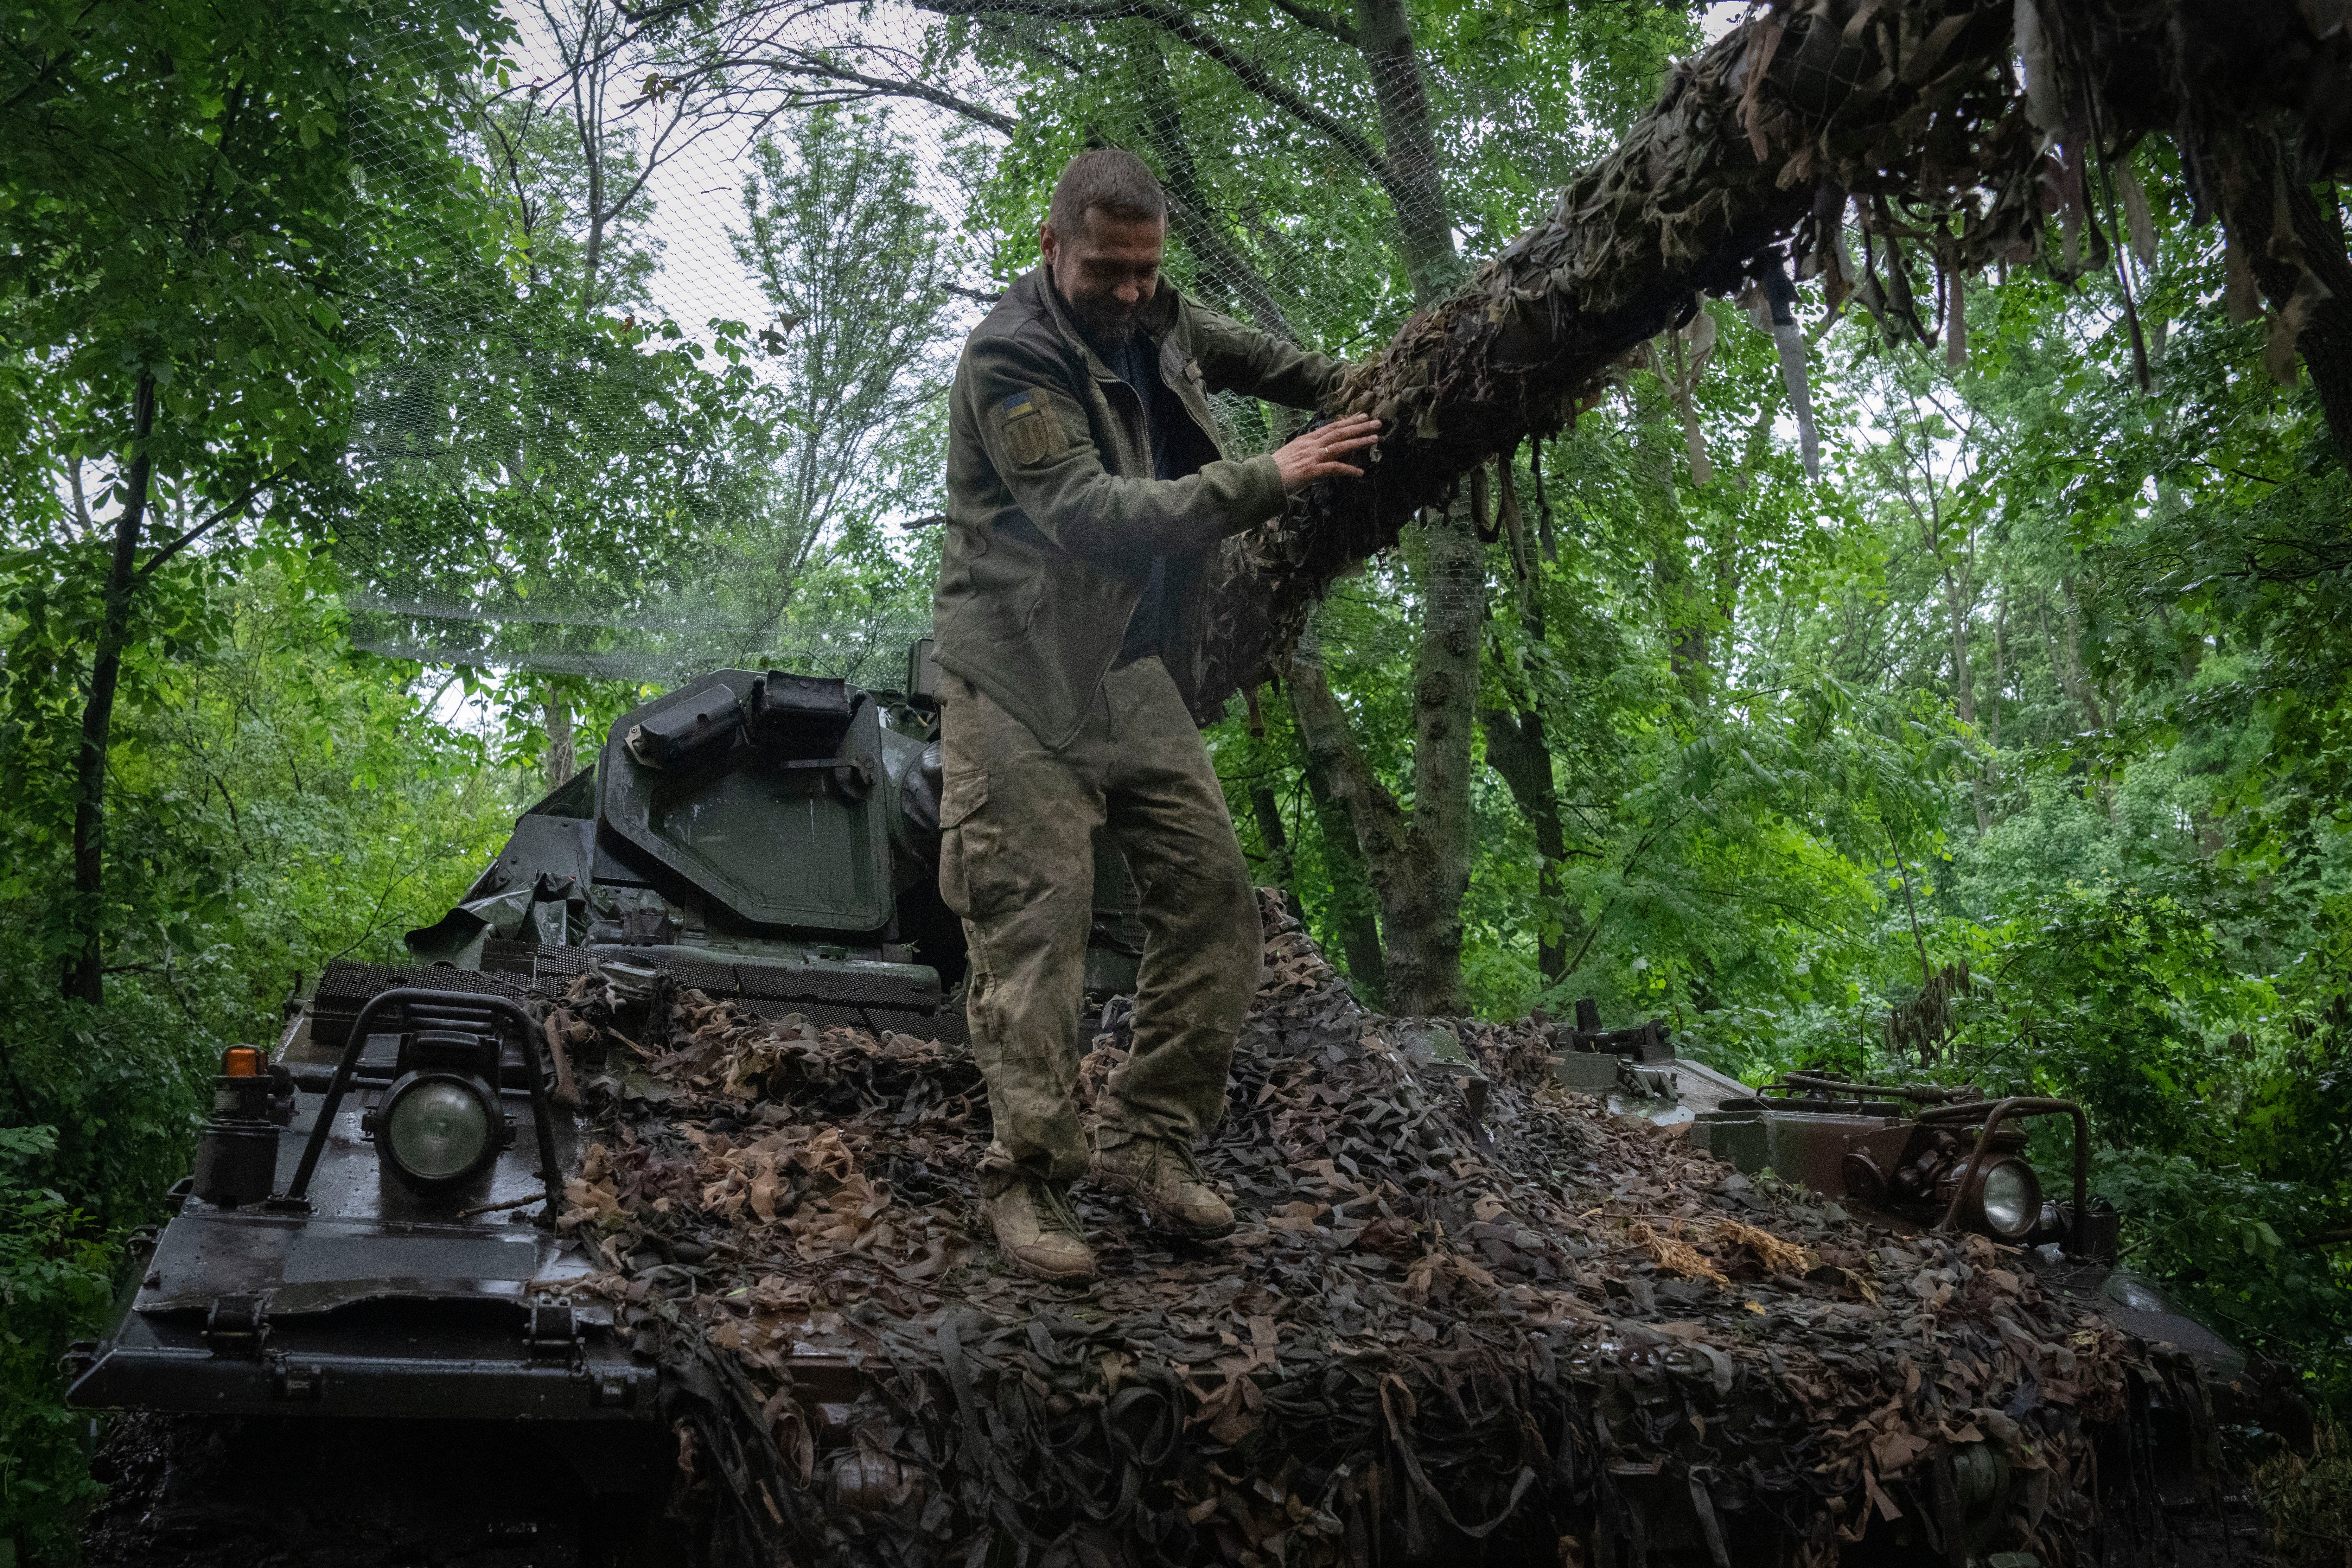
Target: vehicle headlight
<point>437,1128</point>
<point>2010,1199</point>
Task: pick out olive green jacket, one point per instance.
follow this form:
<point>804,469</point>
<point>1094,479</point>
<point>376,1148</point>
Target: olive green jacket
<point>1053,513</point>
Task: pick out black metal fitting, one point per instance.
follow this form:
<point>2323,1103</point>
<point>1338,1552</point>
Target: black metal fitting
<point>237,1162</point>
<point>550,1332</point>
<point>235,1327</point>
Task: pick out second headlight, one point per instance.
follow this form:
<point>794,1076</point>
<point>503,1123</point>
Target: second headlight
<point>2007,1202</point>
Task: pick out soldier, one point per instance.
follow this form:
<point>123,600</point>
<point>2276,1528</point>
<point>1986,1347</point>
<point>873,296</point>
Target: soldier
<point>1086,488</point>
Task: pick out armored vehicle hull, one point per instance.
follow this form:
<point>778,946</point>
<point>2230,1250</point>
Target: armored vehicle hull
<point>363,1297</point>
<point>766,838</point>
<point>660,1159</point>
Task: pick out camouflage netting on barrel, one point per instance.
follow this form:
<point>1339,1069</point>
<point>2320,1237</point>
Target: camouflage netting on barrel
<point>1547,1334</point>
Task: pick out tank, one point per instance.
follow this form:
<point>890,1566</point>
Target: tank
<point>360,1327</point>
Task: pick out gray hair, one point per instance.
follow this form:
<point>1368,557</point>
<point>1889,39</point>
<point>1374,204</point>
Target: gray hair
<point>1111,178</point>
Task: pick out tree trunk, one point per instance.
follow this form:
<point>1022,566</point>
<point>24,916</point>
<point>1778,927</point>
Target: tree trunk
<point>1424,228</point>
<point>562,758</point>
<point>1991,776</point>
<point>1724,548</point>
<point>592,252</point>
<point>2070,650</point>
<point>587,73</point>
<point>1419,865</point>
<point>1352,910</point>
<point>1959,609</point>
<point>1680,601</point>
<point>1519,752</point>
<point>1519,748</point>
<point>85,969</point>
<point>1276,839</point>
<point>1758,139</point>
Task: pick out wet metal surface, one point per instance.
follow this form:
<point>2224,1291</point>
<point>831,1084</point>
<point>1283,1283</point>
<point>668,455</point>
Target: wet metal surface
<point>367,1236</point>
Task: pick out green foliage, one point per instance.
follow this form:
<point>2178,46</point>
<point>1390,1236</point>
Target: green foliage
<point>178,190</point>
<point>2292,1126</point>
<point>2247,1256</point>
<point>277,801</point>
<point>613,473</point>
<point>55,1280</point>
<point>2108,994</point>
<point>2308,1500</point>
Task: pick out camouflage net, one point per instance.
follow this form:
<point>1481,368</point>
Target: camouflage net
<point>1910,115</point>
<point>1555,1332</point>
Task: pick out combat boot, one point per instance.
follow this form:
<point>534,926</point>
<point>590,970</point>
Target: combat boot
<point>1036,1230</point>
<point>1165,1178</point>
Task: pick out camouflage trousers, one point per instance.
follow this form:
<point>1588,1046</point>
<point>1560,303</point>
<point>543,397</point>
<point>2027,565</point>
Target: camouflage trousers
<point>1016,861</point>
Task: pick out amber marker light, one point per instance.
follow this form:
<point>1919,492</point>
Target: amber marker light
<point>241,1061</point>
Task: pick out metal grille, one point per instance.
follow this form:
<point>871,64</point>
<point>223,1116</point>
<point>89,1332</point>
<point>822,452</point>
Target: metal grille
<point>344,988</point>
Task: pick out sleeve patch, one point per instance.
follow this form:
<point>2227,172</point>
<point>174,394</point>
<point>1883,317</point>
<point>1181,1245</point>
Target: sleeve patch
<point>1033,431</point>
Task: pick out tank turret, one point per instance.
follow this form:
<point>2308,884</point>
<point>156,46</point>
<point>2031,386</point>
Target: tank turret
<point>759,833</point>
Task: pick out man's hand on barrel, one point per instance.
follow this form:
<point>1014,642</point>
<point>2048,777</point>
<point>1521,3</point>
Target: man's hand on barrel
<point>1319,453</point>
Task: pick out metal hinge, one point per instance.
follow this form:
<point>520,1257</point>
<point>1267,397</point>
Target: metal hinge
<point>1650,1082</point>
<point>235,1327</point>
<point>550,1332</point>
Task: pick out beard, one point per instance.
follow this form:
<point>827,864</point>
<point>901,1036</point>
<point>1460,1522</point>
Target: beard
<point>1106,321</point>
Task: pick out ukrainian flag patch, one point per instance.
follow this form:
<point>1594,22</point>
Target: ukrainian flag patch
<point>1032,430</point>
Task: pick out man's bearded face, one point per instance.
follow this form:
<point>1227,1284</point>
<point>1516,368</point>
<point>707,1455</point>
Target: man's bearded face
<point>1108,272</point>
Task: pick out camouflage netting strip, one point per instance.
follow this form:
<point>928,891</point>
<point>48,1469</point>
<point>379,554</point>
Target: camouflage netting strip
<point>1910,111</point>
<point>1561,1324</point>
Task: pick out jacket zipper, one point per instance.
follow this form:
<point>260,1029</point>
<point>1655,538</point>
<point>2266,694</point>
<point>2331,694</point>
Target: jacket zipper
<point>1139,432</point>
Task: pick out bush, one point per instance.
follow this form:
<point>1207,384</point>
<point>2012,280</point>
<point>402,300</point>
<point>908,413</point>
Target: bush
<point>2309,1502</point>
<point>55,1284</point>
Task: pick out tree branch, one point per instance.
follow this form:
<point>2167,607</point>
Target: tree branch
<point>1321,21</point>
<point>810,64</point>
<point>1177,25</point>
<point>200,530</point>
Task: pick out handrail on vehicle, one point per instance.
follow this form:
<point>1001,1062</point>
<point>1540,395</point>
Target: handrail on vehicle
<point>409,997</point>
<point>2015,1105</point>
<point>1920,1093</point>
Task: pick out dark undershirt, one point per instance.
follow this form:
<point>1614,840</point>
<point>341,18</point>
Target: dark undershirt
<point>1137,363</point>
